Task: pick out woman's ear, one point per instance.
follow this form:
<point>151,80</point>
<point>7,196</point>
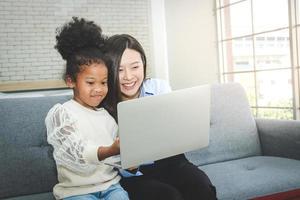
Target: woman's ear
<point>70,82</point>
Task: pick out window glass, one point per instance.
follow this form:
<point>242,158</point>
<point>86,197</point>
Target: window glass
<point>238,55</point>
<point>275,113</point>
<point>274,88</point>
<point>236,20</point>
<point>256,49</point>
<point>226,2</point>
<point>272,50</point>
<point>269,14</point>
<point>298,45</point>
<point>247,81</point>
<point>297,11</point>
<point>254,111</point>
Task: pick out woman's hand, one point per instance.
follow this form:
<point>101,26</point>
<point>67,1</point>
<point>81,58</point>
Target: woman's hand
<point>133,170</point>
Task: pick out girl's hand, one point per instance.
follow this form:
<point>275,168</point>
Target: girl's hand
<point>115,147</point>
<point>112,150</point>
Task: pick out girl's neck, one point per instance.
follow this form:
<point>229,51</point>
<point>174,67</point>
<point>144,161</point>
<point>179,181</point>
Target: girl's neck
<point>84,105</point>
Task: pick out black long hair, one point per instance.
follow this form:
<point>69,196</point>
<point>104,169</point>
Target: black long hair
<point>114,49</point>
<point>80,43</point>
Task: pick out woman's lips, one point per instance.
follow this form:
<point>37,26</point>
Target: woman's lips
<point>128,86</point>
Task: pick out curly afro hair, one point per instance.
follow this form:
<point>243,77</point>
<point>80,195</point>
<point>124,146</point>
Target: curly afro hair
<point>77,35</point>
<point>80,43</point>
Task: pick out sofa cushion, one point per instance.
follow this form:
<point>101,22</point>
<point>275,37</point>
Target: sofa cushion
<point>42,196</point>
<point>27,166</point>
<point>233,132</point>
<point>242,178</point>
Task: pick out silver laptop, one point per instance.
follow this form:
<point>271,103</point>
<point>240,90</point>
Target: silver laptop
<point>157,127</point>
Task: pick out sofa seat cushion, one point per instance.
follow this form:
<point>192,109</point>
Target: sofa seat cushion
<point>43,196</point>
<point>253,176</point>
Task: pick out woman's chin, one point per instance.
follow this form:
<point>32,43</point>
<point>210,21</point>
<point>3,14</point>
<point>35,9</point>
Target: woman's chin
<point>130,94</point>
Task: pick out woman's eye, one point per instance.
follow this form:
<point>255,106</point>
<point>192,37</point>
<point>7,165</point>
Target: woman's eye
<point>120,69</point>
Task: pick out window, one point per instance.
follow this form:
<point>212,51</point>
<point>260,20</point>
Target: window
<point>259,47</point>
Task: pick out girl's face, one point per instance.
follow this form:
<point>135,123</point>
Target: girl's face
<point>90,87</point>
<point>131,74</point>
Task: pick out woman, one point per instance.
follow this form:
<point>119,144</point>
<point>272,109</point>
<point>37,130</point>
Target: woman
<point>168,179</point>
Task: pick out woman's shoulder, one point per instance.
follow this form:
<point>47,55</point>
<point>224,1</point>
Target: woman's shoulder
<point>153,86</point>
<point>155,81</point>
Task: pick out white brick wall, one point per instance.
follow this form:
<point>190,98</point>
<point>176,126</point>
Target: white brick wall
<point>27,32</point>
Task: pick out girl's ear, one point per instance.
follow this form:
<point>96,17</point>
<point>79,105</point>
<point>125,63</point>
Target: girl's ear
<point>70,82</point>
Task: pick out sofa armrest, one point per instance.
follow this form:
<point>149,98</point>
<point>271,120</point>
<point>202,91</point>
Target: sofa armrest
<point>279,137</point>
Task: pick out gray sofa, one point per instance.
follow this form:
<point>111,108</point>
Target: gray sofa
<point>246,157</point>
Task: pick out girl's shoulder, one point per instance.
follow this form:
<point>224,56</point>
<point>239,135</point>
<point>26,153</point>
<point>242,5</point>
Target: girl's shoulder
<point>57,108</point>
<point>60,106</point>
<point>154,86</point>
<point>58,111</point>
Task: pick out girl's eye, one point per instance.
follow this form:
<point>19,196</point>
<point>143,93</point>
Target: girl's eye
<point>90,83</point>
<point>104,83</point>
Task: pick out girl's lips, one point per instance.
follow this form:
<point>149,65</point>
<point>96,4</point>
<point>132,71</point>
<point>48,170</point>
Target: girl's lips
<point>97,97</point>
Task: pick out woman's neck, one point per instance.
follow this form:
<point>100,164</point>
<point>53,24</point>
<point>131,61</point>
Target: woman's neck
<point>135,96</point>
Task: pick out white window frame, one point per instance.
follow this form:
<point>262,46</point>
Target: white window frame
<point>294,37</point>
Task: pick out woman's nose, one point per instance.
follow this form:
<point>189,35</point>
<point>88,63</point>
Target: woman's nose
<point>127,74</point>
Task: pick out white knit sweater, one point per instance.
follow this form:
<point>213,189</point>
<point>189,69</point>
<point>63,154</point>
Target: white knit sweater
<point>76,132</point>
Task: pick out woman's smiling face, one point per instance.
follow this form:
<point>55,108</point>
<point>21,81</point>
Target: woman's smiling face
<point>131,74</point>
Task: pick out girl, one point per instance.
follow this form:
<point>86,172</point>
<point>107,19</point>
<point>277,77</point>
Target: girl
<point>168,179</point>
<point>81,131</point>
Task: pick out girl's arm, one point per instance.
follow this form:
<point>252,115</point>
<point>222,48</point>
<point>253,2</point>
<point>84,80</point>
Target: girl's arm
<point>69,148</point>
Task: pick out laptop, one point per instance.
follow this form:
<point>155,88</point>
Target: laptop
<point>156,127</point>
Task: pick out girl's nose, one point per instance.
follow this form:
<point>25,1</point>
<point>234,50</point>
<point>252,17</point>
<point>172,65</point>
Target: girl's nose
<point>99,89</point>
